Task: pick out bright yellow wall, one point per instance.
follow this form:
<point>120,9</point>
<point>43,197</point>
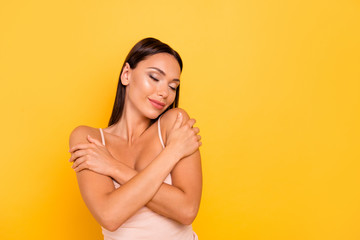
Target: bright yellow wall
<point>274,86</point>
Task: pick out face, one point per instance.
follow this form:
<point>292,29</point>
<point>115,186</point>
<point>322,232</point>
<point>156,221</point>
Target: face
<point>151,86</point>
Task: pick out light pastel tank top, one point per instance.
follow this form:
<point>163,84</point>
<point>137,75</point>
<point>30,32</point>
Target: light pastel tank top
<point>148,225</point>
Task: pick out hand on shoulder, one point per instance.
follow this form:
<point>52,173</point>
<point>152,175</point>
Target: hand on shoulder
<point>79,135</point>
<point>168,118</point>
<point>179,131</point>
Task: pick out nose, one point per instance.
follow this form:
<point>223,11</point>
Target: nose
<point>163,90</point>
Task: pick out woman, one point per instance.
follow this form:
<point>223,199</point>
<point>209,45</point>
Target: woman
<point>150,149</point>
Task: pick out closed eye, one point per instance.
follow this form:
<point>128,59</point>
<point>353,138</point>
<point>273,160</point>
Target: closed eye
<point>155,79</point>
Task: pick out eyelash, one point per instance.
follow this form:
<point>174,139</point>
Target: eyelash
<point>155,79</point>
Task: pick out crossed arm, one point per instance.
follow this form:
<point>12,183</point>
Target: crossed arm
<point>111,207</point>
<point>179,201</point>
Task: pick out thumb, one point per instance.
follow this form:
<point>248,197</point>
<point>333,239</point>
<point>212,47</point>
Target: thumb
<point>178,120</point>
<point>93,140</point>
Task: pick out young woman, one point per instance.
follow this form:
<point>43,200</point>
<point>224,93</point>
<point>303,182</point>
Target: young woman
<point>141,176</point>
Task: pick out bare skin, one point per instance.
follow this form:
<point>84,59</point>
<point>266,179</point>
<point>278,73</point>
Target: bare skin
<point>134,157</point>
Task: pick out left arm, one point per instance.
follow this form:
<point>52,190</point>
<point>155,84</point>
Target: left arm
<point>182,199</point>
<point>179,201</point>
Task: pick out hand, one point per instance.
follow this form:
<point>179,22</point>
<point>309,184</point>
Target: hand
<point>93,156</point>
<point>183,139</point>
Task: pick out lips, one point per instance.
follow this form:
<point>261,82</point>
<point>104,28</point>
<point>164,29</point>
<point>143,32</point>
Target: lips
<point>157,104</point>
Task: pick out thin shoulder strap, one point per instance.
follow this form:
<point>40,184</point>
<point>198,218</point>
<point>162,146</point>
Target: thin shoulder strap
<point>102,136</point>
<point>159,131</point>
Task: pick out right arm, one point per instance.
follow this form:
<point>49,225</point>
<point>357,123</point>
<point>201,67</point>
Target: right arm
<point>111,208</point>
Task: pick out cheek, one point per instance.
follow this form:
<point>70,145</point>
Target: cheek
<point>147,85</point>
<point>172,97</point>
<point>142,85</point>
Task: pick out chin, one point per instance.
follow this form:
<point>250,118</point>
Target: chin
<point>156,114</point>
<point>153,115</point>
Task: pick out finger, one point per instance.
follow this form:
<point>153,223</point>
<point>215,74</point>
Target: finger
<point>190,122</point>
<point>198,137</point>
<point>79,161</point>
<point>196,130</point>
<point>77,154</point>
<point>200,143</point>
<point>81,146</point>
<point>93,140</point>
<point>81,167</point>
<point>178,121</point>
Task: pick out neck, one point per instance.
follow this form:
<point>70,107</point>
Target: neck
<point>131,125</point>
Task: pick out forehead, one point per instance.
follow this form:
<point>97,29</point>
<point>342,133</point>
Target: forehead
<point>163,61</point>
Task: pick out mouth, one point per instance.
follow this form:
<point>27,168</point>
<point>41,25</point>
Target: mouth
<point>157,104</point>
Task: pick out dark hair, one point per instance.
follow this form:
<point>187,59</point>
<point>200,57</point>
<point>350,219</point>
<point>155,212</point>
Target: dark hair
<point>143,49</point>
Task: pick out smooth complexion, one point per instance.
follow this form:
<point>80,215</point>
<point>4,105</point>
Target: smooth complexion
<point>134,159</point>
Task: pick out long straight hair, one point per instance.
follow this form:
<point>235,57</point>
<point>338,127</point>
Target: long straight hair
<point>144,48</point>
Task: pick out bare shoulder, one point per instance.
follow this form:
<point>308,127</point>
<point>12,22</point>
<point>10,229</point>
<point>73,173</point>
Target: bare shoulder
<point>168,119</point>
<point>79,134</point>
<point>91,193</point>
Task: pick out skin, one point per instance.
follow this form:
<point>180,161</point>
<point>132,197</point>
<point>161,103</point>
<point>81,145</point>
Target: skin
<point>134,159</point>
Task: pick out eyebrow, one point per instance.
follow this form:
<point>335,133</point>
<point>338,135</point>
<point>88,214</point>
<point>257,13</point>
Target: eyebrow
<point>163,73</point>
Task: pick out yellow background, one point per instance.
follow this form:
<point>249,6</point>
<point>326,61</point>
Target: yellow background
<point>274,86</point>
